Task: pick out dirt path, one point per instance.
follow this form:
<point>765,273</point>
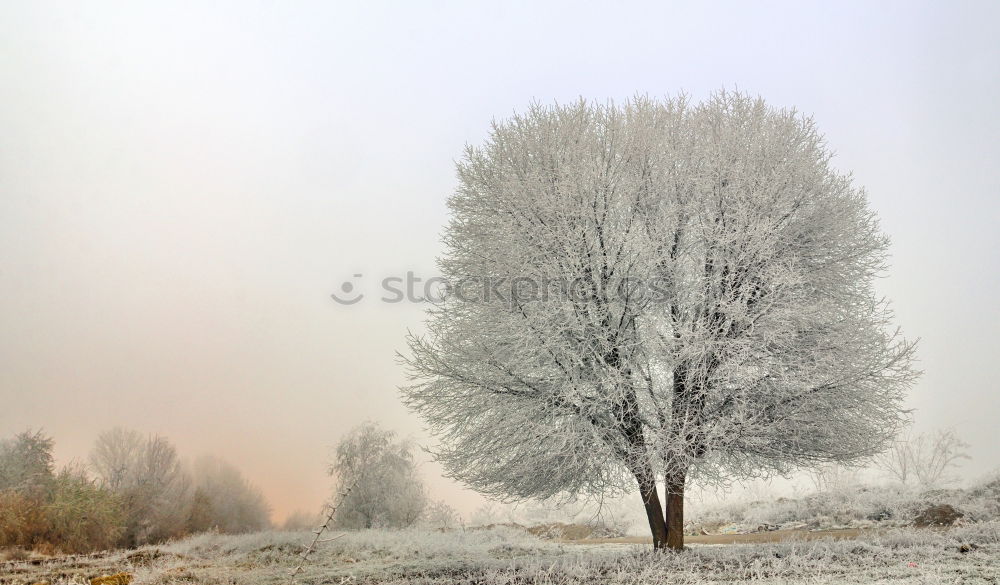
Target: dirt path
<point>754,537</point>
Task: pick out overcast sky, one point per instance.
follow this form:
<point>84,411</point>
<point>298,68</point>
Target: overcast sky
<point>182,186</point>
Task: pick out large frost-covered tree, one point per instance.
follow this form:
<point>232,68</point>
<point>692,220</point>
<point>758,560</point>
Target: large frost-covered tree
<point>654,294</point>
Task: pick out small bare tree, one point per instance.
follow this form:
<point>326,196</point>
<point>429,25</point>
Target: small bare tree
<point>926,458</point>
<point>897,460</point>
<point>149,479</point>
<point>387,492</point>
<point>115,457</point>
<point>438,515</point>
<point>936,455</point>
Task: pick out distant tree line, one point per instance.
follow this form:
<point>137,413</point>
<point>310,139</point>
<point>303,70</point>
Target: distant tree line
<point>134,491</point>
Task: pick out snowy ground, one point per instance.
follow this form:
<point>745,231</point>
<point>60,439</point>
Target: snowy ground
<point>967,554</point>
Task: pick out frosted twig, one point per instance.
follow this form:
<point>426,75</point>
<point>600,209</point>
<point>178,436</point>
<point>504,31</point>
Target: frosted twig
<point>332,510</point>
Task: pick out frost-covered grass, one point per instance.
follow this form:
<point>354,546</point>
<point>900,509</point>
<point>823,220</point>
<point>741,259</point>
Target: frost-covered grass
<point>856,506</point>
<point>369,554</point>
<point>966,554</point>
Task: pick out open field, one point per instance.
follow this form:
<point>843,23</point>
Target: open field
<point>861,534</point>
<point>966,554</point>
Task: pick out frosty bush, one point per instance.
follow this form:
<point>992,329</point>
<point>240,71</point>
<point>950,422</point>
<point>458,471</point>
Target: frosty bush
<point>82,516</point>
<point>64,511</point>
<point>224,500</point>
<point>26,462</point>
<point>386,492</point>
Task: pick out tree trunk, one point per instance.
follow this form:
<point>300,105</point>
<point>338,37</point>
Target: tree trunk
<point>675,511</point>
<point>654,510</point>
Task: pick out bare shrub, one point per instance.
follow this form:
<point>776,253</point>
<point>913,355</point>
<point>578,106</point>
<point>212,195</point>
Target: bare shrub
<point>925,459</point>
<point>440,516</point>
